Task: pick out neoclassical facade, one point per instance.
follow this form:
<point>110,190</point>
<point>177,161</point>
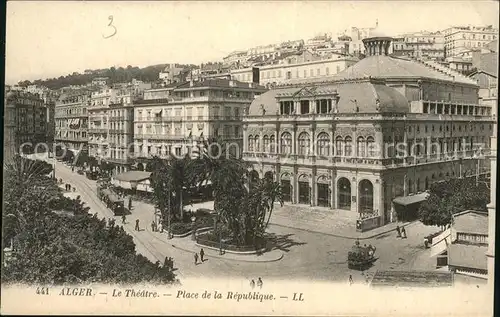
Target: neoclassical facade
<point>366,137</point>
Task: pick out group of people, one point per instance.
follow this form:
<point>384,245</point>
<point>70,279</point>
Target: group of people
<point>259,283</point>
<point>201,257</point>
<point>68,187</point>
<point>156,227</point>
<point>401,232</point>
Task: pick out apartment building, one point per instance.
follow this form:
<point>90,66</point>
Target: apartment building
<point>296,68</point>
<point>427,45</point>
<point>26,119</point>
<point>110,131</point>
<point>170,120</point>
<point>71,120</point>
<point>464,38</point>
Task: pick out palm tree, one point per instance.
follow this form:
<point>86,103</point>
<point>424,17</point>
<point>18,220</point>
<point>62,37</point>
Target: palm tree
<point>26,182</point>
<point>214,163</point>
<point>170,176</point>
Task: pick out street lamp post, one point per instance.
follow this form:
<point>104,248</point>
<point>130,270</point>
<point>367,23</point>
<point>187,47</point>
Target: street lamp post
<point>193,219</point>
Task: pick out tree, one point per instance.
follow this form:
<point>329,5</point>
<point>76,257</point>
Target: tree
<point>61,242</point>
<point>244,210</point>
<point>450,197</point>
<point>171,176</point>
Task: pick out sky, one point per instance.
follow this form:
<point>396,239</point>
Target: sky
<point>48,39</point>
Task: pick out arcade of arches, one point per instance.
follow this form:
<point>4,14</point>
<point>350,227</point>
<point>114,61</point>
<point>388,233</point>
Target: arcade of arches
<point>347,194</point>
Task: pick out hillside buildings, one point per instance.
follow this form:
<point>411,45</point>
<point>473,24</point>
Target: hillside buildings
<point>463,38</point>
<point>426,45</point>
<point>171,119</point>
<point>295,67</point>
<point>170,74</point>
<point>384,128</point>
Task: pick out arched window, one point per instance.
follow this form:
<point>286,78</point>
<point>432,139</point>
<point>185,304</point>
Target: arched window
<point>365,196</point>
<point>266,143</point>
<point>250,143</point>
<point>370,143</point>
<point>272,144</point>
<point>286,143</point>
<point>339,146</point>
<point>304,143</point>
<point>323,144</point>
<point>257,143</point>
<point>361,147</point>
<point>389,147</point>
<point>348,146</point>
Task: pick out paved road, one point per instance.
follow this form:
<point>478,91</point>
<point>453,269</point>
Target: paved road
<point>307,255</point>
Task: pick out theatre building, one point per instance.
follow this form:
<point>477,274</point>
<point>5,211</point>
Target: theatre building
<point>384,128</point>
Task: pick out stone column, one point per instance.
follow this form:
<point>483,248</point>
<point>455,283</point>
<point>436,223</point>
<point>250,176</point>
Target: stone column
<point>245,138</point>
<point>379,142</point>
<point>333,190</point>
<point>354,192</point>
<point>295,186</point>
<point>297,107</point>
<point>314,189</point>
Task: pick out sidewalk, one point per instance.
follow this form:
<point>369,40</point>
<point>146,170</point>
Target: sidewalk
<point>332,222</point>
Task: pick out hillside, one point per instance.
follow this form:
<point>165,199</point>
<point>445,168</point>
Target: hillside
<point>115,75</point>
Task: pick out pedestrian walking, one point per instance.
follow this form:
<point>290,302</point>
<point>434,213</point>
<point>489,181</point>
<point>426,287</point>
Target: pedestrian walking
<point>74,189</point>
<point>259,283</point>
<point>69,187</point>
<point>403,233</point>
<point>196,259</point>
<point>130,203</point>
<point>160,227</point>
<point>202,254</point>
<point>398,231</point>
<point>72,168</point>
<point>252,284</point>
<point>124,218</point>
<point>350,280</point>
<point>137,225</point>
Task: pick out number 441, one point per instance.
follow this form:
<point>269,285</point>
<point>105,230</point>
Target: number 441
<point>42,290</point>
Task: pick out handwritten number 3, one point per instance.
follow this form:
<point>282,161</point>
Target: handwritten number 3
<point>110,18</point>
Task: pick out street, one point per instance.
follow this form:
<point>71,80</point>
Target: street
<point>306,255</point>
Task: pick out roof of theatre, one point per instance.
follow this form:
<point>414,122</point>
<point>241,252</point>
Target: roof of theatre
<point>366,94</point>
<point>383,66</point>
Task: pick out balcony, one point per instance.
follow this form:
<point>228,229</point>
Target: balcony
<point>117,160</point>
<point>152,101</point>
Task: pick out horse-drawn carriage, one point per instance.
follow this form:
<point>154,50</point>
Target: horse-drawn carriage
<point>361,257</point>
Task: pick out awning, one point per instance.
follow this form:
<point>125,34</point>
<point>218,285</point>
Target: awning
<point>133,176</point>
<point>440,243</point>
<point>409,200</point>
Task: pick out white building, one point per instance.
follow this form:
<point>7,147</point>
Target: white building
<point>289,72</point>
<point>464,38</point>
